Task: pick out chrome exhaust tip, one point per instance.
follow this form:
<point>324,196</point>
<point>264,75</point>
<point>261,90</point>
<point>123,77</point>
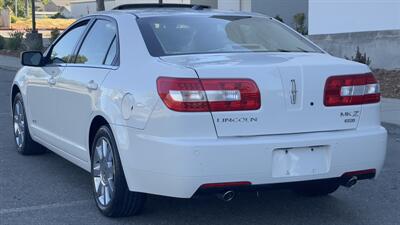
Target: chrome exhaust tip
<point>226,196</point>
<point>351,182</point>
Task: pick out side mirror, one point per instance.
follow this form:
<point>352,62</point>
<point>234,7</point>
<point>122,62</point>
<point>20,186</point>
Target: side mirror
<point>32,58</point>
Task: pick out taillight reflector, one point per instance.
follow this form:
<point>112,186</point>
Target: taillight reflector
<point>226,185</point>
<point>351,90</point>
<point>203,95</point>
<point>359,173</point>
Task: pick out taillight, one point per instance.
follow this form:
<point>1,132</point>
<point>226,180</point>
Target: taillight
<point>351,90</point>
<point>203,95</point>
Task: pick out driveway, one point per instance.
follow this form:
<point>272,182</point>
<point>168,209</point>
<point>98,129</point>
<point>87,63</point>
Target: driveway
<point>47,189</point>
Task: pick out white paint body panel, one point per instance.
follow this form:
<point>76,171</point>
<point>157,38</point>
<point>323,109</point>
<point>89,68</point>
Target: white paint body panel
<point>273,73</point>
<point>172,153</point>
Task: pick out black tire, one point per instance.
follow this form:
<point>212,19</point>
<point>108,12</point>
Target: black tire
<point>317,188</point>
<point>123,202</point>
<point>27,146</point>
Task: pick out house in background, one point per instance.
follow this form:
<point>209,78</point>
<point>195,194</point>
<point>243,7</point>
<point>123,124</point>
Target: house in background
<point>322,16</point>
<point>53,7</point>
<point>83,7</point>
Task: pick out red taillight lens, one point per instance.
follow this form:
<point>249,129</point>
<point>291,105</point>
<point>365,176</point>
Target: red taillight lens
<point>351,90</point>
<point>203,95</point>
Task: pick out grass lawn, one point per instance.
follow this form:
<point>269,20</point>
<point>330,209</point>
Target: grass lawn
<point>42,24</point>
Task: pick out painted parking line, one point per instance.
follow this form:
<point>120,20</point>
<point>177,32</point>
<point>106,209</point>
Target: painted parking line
<point>41,207</point>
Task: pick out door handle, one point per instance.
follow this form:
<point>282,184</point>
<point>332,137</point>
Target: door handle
<point>52,81</point>
<point>92,85</point>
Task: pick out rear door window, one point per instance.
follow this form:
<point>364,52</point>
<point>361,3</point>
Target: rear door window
<point>112,52</point>
<point>98,47</point>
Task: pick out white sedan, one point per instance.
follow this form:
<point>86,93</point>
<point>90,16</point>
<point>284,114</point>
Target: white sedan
<point>182,100</point>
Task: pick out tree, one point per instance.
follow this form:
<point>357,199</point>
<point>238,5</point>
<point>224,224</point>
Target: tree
<point>22,6</point>
<point>11,4</point>
<point>100,5</point>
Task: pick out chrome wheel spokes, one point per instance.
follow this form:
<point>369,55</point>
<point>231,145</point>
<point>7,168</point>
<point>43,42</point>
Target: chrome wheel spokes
<point>19,123</point>
<point>103,171</point>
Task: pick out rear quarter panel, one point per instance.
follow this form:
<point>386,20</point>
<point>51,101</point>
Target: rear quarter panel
<point>132,85</point>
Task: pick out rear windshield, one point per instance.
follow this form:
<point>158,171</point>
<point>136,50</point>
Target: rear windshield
<point>179,35</point>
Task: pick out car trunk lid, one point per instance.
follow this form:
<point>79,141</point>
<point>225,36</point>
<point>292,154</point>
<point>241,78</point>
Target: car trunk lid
<point>291,87</point>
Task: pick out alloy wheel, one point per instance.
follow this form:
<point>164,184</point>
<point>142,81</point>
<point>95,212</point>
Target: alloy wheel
<point>103,171</point>
<point>19,123</point>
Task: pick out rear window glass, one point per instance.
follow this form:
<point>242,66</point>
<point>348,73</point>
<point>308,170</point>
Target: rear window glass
<point>177,35</point>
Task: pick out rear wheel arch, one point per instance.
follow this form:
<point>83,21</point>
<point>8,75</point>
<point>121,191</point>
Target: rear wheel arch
<point>97,122</point>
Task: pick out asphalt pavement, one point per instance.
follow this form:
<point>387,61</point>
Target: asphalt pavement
<point>47,189</point>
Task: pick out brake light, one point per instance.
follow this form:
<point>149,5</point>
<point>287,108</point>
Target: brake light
<point>351,90</point>
<point>203,95</point>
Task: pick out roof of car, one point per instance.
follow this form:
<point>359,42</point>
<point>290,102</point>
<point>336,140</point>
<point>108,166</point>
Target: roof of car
<point>179,10</point>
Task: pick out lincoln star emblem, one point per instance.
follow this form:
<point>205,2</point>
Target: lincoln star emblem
<point>293,92</point>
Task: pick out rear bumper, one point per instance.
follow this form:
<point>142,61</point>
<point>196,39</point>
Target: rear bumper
<point>179,167</point>
<point>343,180</point>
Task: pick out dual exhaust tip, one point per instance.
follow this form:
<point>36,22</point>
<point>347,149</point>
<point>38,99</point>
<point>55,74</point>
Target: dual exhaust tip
<point>228,196</point>
<point>351,182</point>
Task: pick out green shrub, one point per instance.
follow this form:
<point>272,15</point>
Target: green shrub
<point>54,33</point>
<point>58,16</point>
<point>15,40</point>
<point>360,57</point>
<point>300,23</point>
<point>2,42</point>
<point>13,18</point>
<point>279,18</point>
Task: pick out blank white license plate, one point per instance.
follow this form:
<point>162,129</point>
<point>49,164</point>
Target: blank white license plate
<point>290,162</point>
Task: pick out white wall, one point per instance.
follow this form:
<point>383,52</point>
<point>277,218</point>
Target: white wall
<point>344,16</point>
<point>235,5</point>
<point>82,8</point>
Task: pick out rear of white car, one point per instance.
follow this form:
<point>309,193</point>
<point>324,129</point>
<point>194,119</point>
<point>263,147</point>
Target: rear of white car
<point>180,100</point>
<point>277,142</point>
<point>248,119</point>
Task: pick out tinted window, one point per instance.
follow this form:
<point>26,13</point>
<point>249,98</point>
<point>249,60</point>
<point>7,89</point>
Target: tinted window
<point>174,35</point>
<point>63,49</point>
<point>97,43</point>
